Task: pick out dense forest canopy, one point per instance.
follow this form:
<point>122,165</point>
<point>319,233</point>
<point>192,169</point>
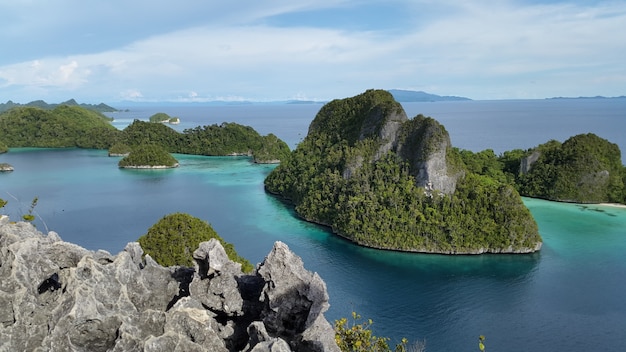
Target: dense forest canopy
<point>584,169</point>
<point>361,170</point>
<point>64,126</point>
<point>74,126</point>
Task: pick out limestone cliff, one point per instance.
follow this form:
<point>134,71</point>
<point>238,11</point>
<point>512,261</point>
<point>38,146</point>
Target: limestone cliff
<point>425,146</point>
<point>57,296</point>
<point>385,181</point>
<point>375,116</point>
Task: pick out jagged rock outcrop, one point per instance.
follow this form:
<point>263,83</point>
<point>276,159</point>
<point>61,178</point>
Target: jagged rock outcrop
<point>57,296</point>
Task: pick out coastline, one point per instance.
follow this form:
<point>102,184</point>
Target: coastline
<point>612,205</point>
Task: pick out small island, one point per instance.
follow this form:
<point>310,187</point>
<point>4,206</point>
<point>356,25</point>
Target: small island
<point>161,117</point>
<point>148,156</point>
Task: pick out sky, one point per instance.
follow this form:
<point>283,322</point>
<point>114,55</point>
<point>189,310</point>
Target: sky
<point>206,50</point>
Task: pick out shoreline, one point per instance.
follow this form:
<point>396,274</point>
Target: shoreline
<point>612,205</point>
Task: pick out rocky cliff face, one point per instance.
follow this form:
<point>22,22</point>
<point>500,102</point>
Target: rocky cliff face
<point>420,141</point>
<point>57,296</point>
<point>424,145</point>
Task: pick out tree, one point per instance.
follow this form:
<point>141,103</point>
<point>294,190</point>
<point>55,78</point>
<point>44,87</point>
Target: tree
<point>172,240</point>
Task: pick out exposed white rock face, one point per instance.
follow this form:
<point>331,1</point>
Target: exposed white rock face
<point>527,162</point>
<point>57,296</point>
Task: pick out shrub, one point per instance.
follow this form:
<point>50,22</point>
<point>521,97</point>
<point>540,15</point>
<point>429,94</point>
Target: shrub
<point>359,337</point>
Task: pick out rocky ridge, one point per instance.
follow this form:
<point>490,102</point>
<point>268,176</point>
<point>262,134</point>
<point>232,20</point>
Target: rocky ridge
<point>57,296</point>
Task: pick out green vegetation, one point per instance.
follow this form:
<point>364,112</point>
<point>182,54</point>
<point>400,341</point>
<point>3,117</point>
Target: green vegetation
<point>65,126</point>
<point>338,177</point>
<point>359,337</point>
<point>272,149</point>
<point>584,169</point>
<point>29,217</point>
<point>172,240</point>
<point>74,126</point>
<point>150,155</point>
<point>481,342</point>
<point>3,148</point>
<point>159,117</point>
<point>213,140</point>
<point>119,149</point>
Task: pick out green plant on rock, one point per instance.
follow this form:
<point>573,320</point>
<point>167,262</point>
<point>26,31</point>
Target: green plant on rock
<point>29,216</point>
<point>172,240</point>
<point>358,337</point>
<point>481,343</point>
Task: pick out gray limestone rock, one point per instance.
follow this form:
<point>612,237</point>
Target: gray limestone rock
<point>56,296</point>
<point>295,300</point>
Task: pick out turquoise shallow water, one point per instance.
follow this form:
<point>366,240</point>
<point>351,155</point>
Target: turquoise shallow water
<point>568,297</point>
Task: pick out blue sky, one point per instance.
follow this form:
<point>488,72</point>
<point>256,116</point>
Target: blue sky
<point>191,50</point>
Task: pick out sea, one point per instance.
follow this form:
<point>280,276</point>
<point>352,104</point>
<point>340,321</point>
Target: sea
<point>570,296</point>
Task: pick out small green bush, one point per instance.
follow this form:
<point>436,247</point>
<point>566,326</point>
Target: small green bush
<point>359,337</point>
<point>172,240</point>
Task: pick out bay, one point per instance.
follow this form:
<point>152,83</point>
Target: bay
<point>568,297</point>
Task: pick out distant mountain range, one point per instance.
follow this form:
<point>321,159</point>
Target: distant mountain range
<point>43,105</point>
<point>408,96</point>
<point>596,97</point>
<point>402,96</point>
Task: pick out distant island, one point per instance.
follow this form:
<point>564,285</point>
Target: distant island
<point>43,105</point>
<point>402,96</point>
<point>74,126</point>
<point>409,96</point>
<point>596,97</point>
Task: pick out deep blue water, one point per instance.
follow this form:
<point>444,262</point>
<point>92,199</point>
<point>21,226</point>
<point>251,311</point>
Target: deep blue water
<point>568,297</point>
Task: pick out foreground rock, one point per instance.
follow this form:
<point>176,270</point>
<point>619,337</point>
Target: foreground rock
<point>57,296</point>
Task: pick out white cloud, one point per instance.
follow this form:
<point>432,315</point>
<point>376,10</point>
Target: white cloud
<point>481,49</point>
<point>131,94</point>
